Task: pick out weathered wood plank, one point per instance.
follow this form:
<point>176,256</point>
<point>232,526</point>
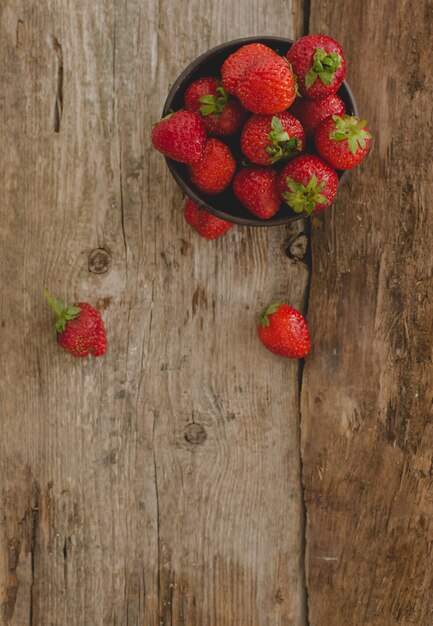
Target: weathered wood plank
<point>114,512</point>
<point>367,386</point>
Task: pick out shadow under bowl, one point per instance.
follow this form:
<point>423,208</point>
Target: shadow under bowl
<point>225,205</point>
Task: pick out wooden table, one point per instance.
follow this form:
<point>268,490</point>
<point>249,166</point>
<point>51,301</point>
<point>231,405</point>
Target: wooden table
<point>161,484</point>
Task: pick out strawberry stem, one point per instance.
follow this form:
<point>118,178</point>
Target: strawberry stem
<point>55,304</point>
<point>304,198</point>
<point>351,128</point>
<point>324,66</point>
<point>65,313</point>
<point>270,310</point>
<point>282,145</point>
<point>214,105</point>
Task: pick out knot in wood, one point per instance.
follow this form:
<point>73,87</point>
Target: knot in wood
<point>99,261</point>
<point>194,433</point>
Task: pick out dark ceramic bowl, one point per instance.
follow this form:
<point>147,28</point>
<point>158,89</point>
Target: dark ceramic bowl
<point>225,205</point>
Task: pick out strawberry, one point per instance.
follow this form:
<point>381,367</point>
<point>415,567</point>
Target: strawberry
<point>268,86</point>
<point>266,139</point>
<point>343,141</point>
<point>181,136</point>
<point>319,65</point>
<point>312,112</point>
<point>208,226</point>
<point>238,63</point>
<point>284,331</point>
<point>221,115</point>
<point>256,188</point>
<point>215,170</point>
<point>308,184</point>
<point>79,328</point>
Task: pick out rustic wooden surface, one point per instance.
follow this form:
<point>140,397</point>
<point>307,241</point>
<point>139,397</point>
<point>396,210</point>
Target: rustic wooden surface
<point>367,391</point>
<point>160,484</point>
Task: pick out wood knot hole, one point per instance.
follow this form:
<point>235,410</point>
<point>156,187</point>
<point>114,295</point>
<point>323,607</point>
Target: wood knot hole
<point>99,261</point>
<point>194,433</point>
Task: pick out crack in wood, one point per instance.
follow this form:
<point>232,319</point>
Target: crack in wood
<point>158,539</point>
<point>58,104</point>
<point>33,540</point>
<point>307,11</point>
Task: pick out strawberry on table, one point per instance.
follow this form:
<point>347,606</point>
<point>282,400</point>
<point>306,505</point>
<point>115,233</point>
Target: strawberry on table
<point>343,141</point>
<point>267,139</point>
<point>319,64</point>
<point>181,136</point>
<point>284,331</point>
<point>208,226</point>
<point>237,64</point>
<point>215,170</point>
<point>268,86</point>
<point>256,188</point>
<point>311,113</point>
<point>79,328</point>
<point>221,114</point>
<point>307,184</point>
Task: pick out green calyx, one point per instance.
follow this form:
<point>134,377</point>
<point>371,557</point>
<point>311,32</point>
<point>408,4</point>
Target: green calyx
<point>324,66</point>
<point>166,117</point>
<point>302,198</point>
<point>270,310</point>
<point>214,105</point>
<point>351,128</point>
<point>64,312</point>
<point>282,145</point>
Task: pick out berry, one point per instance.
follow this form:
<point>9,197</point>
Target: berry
<point>284,331</point>
<point>215,170</point>
<point>221,115</point>
<point>266,139</point>
<point>311,113</point>
<point>238,63</point>
<point>319,65</point>
<point>79,328</point>
<point>208,226</point>
<point>181,136</point>
<point>256,188</point>
<point>268,86</point>
<point>307,184</point>
<point>343,141</point>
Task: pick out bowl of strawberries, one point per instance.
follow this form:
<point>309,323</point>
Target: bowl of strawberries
<point>261,131</point>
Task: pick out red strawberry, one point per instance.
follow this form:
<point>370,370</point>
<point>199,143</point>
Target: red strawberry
<point>268,86</point>
<point>80,329</point>
<point>215,171</point>
<point>343,141</point>
<point>308,184</point>
<point>256,188</point>
<point>221,115</point>
<point>312,112</point>
<point>266,139</point>
<point>181,136</point>
<point>238,63</point>
<point>208,226</point>
<point>319,65</point>
<point>284,331</point>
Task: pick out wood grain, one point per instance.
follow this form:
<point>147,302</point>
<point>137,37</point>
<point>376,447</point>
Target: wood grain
<point>367,392</point>
<point>160,484</point>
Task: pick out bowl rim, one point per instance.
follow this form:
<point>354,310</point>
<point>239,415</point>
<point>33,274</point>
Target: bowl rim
<point>188,190</point>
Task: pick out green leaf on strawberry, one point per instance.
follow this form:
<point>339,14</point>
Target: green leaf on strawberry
<point>324,66</point>
<point>304,198</point>
<point>64,312</point>
<point>270,310</point>
<point>282,145</point>
<point>351,128</point>
<point>214,105</point>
